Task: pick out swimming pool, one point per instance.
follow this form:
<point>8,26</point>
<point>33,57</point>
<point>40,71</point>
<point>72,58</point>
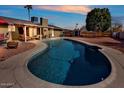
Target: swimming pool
<point>69,62</point>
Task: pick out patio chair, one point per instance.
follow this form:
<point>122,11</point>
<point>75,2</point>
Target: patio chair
<point>2,39</point>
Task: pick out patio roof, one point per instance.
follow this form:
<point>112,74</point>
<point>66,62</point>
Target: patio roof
<point>68,30</point>
<point>56,27</point>
<point>15,21</point>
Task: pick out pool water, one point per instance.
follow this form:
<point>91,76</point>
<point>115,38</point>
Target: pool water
<point>68,62</point>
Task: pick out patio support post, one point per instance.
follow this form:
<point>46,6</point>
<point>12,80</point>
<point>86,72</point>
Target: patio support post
<point>52,32</point>
<point>25,34</point>
<point>49,32</point>
<point>10,34</point>
<point>40,33</point>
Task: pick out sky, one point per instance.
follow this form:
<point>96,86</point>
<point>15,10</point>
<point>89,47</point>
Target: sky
<point>66,16</point>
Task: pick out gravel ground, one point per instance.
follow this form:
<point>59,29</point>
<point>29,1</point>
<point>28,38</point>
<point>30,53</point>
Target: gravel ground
<point>6,53</point>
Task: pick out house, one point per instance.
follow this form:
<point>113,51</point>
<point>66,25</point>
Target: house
<point>58,31</point>
<point>17,29</point>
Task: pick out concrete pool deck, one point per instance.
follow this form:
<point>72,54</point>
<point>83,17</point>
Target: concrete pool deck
<point>14,71</point>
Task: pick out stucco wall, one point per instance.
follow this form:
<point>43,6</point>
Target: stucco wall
<point>32,31</point>
<point>3,29</point>
<point>15,34</point>
<point>54,33</point>
<point>35,31</point>
<point>58,33</point>
<point>46,32</point>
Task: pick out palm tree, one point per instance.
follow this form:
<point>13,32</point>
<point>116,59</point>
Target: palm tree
<point>28,7</point>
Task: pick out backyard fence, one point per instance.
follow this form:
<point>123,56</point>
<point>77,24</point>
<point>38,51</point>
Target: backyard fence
<point>89,34</point>
<point>95,34</point>
<point>68,34</point>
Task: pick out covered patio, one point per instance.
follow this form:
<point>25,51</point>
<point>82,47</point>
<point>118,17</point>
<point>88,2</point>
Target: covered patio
<point>25,30</point>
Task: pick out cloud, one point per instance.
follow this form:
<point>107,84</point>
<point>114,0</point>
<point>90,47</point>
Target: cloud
<point>79,9</point>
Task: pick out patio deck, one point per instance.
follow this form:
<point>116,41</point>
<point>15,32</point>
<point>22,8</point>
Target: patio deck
<point>105,41</point>
<point>14,71</point>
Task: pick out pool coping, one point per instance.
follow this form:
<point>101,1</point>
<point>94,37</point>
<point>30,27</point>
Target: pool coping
<point>24,78</point>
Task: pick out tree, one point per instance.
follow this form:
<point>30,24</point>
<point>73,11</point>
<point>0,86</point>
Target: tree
<point>28,7</point>
<point>98,20</point>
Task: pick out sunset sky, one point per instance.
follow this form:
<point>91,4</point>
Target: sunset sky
<point>65,16</point>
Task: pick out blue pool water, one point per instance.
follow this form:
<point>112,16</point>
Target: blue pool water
<point>68,62</point>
